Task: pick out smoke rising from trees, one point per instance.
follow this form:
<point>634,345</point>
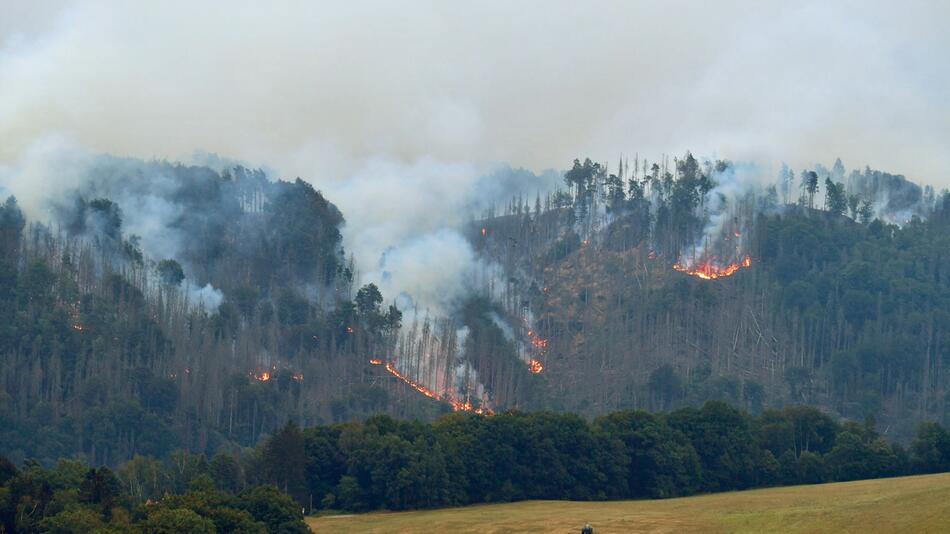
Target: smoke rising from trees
<point>397,111</point>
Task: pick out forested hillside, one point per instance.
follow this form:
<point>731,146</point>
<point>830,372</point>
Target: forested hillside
<point>251,319</point>
<point>158,306</point>
<point>666,287</point>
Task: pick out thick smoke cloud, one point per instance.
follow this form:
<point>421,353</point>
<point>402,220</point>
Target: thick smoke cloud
<point>403,221</point>
<point>398,111</point>
<point>314,88</point>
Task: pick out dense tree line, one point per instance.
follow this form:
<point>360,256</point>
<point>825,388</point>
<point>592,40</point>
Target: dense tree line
<point>460,458</point>
<point>465,459</point>
<point>184,493</point>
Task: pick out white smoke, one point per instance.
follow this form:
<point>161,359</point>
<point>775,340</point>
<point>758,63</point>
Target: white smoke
<point>206,297</point>
<point>723,223</point>
<point>432,270</point>
<point>317,89</point>
<point>397,111</point>
<point>403,220</point>
<point>45,169</point>
<point>505,328</point>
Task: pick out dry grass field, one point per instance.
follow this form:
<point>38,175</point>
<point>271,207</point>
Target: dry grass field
<point>908,504</point>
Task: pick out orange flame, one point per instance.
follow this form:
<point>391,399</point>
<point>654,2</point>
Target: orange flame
<point>541,344</point>
<point>457,405</point>
<point>418,387</point>
<point>375,362</point>
<point>261,377</point>
<point>710,271</point>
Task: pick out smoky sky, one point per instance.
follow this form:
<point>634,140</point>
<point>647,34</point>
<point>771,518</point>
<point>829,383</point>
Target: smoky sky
<point>399,110</point>
<point>315,88</point>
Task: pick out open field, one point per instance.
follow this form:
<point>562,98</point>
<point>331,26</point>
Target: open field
<point>907,504</point>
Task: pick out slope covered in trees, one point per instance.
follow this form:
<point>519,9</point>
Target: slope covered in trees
<point>168,306</point>
<point>834,297</point>
<point>110,352</point>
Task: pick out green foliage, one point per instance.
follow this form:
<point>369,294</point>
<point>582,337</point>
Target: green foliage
<point>836,197</point>
<point>100,487</point>
<point>174,521</point>
<point>226,473</point>
<point>930,451</point>
<point>848,285</point>
<point>463,458</point>
<point>283,456</point>
<point>722,437</point>
<point>303,227</point>
<point>75,498</point>
<point>276,510</point>
<point>73,521</point>
<point>663,462</point>
<point>858,457</point>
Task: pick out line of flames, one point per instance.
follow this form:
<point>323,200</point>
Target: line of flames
<point>456,404</point>
<point>710,271</point>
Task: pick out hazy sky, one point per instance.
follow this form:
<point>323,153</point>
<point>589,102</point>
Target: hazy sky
<point>318,89</point>
<point>397,110</point>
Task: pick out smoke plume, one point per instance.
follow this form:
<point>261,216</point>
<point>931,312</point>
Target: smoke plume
<point>401,112</point>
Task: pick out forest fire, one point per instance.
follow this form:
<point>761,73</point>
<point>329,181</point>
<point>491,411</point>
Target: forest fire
<point>261,377</point>
<point>411,383</point>
<point>708,270</point>
<point>466,406</point>
<point>457,405</point>
<point>540,345</point>
<point>536,341</point>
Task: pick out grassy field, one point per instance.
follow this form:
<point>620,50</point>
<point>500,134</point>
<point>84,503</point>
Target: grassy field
<point>908,504</point>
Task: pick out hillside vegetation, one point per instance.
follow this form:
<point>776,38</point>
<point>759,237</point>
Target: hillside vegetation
<point>908,504</point>
<point>834,297</point>
<point>168,307</point>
